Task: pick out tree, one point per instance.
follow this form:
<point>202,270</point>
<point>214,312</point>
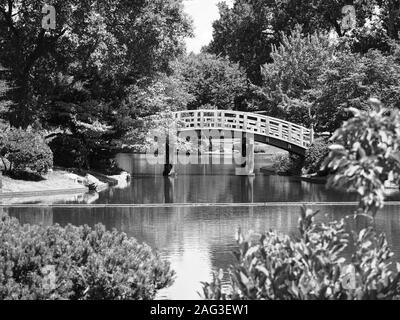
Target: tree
<point>163,126</point>
<point>75,79</point>
<point>154,95</point>
<point>246,31</point>
<point>212,81</point>
<point>289,82</point>
<point>349,80</point>
<point>98,47</point>
<point>313,80</point>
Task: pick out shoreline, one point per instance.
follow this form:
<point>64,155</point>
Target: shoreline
<point>56,183</point>
<point>25,194</point>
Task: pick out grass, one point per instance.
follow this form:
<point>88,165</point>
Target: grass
<point>56,180</point>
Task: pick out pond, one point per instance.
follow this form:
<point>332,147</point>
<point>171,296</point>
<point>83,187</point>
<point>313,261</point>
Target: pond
<point>192,218</point>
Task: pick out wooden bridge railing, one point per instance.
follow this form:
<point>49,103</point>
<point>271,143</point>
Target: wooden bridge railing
<point>246,122</point>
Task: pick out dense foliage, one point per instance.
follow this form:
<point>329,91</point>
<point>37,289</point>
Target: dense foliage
<point>96,50</point>
<point>349,80</point>
<point>289,81</point>
<point>4,89</point>
<point>78,78</point>
<point>24,150</point>
<point>287,164</point>
<point>313,80</point>
<point>311,267</point>
<point>151,96</point>
<point>76,263</point>
<point>366,155</point>
<point>213,81</point>
<point>246,30</point>
<point>107,65</point>
<point>69,152</point>
<point>316,155</point>
<point>152,133</point>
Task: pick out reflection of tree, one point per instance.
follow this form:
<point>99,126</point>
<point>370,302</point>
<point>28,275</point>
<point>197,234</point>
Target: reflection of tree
<point>216,184</point>
<point>169,185</point>
<point>33,216</point>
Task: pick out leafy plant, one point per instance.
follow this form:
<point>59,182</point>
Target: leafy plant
<point>312,267</point>
<point>366,154</point>
<point>76,263</point>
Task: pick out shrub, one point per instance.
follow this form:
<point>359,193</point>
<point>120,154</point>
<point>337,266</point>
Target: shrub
<point>25,150</point>
<point>69,152</point>
<point>281,163</point>
<point>277,267</point>
<point>76,263</point>
<point>316,155</point>
<point>287,164</point>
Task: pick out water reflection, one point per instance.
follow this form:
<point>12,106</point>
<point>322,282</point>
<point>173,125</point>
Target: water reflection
<point>202,184</point>
<point>198,240</point>
<point>219,189</point>
<point>169,188</point>
<point>214,183</point>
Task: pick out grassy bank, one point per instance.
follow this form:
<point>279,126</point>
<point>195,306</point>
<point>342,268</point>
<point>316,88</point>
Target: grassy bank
<point>56,180</point>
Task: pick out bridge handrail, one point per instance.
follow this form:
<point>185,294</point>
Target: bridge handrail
<point>246,121</point>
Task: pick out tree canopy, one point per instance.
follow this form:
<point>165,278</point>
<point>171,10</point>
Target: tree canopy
<point>246,31</point>
<point>314,79</point>
<point>95,51</point>
<point>212,81</point>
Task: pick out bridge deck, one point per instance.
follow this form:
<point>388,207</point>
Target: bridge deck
<point>266,129</point>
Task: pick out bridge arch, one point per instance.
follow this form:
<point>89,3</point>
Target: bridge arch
<point>267,130</point>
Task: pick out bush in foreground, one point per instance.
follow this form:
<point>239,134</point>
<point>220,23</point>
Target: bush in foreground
<point>76,263</point>
<point>312,267</point>
<point>366,154</point>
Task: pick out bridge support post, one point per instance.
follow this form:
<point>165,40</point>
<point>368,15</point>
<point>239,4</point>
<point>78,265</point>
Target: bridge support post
<point>199,144</point>
<point>247,168</point>
<point>169,169</point>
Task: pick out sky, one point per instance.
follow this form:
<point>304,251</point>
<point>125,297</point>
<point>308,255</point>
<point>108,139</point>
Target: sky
<point>204,13</point>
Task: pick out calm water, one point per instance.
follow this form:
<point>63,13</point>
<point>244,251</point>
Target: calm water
<point>199,240</point>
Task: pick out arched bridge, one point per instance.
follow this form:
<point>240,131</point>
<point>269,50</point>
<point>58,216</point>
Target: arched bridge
<point>267,130</point>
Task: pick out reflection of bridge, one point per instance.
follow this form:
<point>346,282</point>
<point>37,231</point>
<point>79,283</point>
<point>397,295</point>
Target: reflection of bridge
<point>273,131</point>
<point>254,127</point>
